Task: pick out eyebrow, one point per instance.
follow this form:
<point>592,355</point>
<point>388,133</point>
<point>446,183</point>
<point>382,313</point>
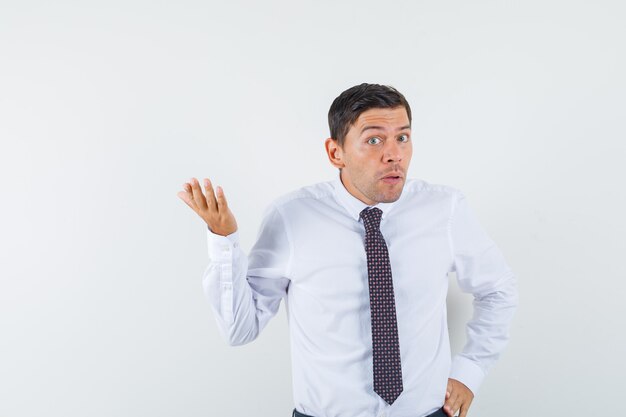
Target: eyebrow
<point>382,128</point>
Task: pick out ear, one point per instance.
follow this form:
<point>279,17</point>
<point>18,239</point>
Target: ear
<point>334,152</point>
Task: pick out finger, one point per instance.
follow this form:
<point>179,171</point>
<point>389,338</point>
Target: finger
<point>222,205</point>
<point>187,199</point>
<point>464,408</point>
<point>456,404</point>
<point>197,194</point>
<point>451,405</point>
<point>187,196</point>
<point>208,187</point>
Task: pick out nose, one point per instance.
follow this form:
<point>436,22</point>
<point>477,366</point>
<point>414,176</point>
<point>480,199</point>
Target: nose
<point>392,151</point>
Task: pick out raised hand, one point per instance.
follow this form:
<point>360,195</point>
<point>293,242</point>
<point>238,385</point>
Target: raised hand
<point>213,210</point>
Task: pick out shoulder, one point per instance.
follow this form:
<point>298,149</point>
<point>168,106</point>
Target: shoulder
<point>314,193</point>
<point>434,198</point>
<point>420,187</point>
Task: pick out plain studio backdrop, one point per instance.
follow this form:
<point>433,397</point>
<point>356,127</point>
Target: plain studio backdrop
<point>108,107</point>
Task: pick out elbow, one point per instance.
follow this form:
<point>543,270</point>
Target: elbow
<point>241,335</point>
<point>512,292</point>
<point>505,294</point>
<point>238,341</point>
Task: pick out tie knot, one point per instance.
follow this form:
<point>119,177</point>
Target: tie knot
<point>371,218</point>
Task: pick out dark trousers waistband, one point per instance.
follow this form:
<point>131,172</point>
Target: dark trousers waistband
<point>438,413</point>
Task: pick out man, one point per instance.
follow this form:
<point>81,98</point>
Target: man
<point>362,264</point>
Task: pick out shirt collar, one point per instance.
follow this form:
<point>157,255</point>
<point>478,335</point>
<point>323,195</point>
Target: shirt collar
<point>353,205</point>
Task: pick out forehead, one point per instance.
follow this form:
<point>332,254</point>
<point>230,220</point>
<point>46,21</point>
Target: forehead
<point>383,117</point>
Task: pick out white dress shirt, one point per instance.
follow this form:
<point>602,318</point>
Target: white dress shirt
<point>310,251</point>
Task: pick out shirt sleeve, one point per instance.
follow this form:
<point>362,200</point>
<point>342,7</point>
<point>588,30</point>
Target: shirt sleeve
<point>481,270</point>
<point>245,292</point>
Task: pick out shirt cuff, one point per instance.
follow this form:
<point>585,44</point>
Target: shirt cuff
<point>221,247</point>
<point>467,372</point>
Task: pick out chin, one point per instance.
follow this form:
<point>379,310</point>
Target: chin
<point>382,195</point>
<point>389,198</point>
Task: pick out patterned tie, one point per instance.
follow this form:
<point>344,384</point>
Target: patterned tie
<point>385,345</point>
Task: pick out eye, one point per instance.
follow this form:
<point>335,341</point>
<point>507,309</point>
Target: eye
<point>403,138</point>
<point>373,140</point>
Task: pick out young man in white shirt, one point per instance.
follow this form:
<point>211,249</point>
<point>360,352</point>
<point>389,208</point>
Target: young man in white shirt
<point>312,251</point>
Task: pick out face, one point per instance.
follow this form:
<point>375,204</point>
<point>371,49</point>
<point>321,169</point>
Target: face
<point>375,156</point>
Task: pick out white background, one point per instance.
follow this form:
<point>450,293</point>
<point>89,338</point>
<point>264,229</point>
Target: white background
<point>107,107</point>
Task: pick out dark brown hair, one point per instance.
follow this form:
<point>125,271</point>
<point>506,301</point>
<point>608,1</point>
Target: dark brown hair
<point>355,100</point>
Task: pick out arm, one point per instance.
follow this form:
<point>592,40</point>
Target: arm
<point>244,293</point>
<point>481,270</point>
